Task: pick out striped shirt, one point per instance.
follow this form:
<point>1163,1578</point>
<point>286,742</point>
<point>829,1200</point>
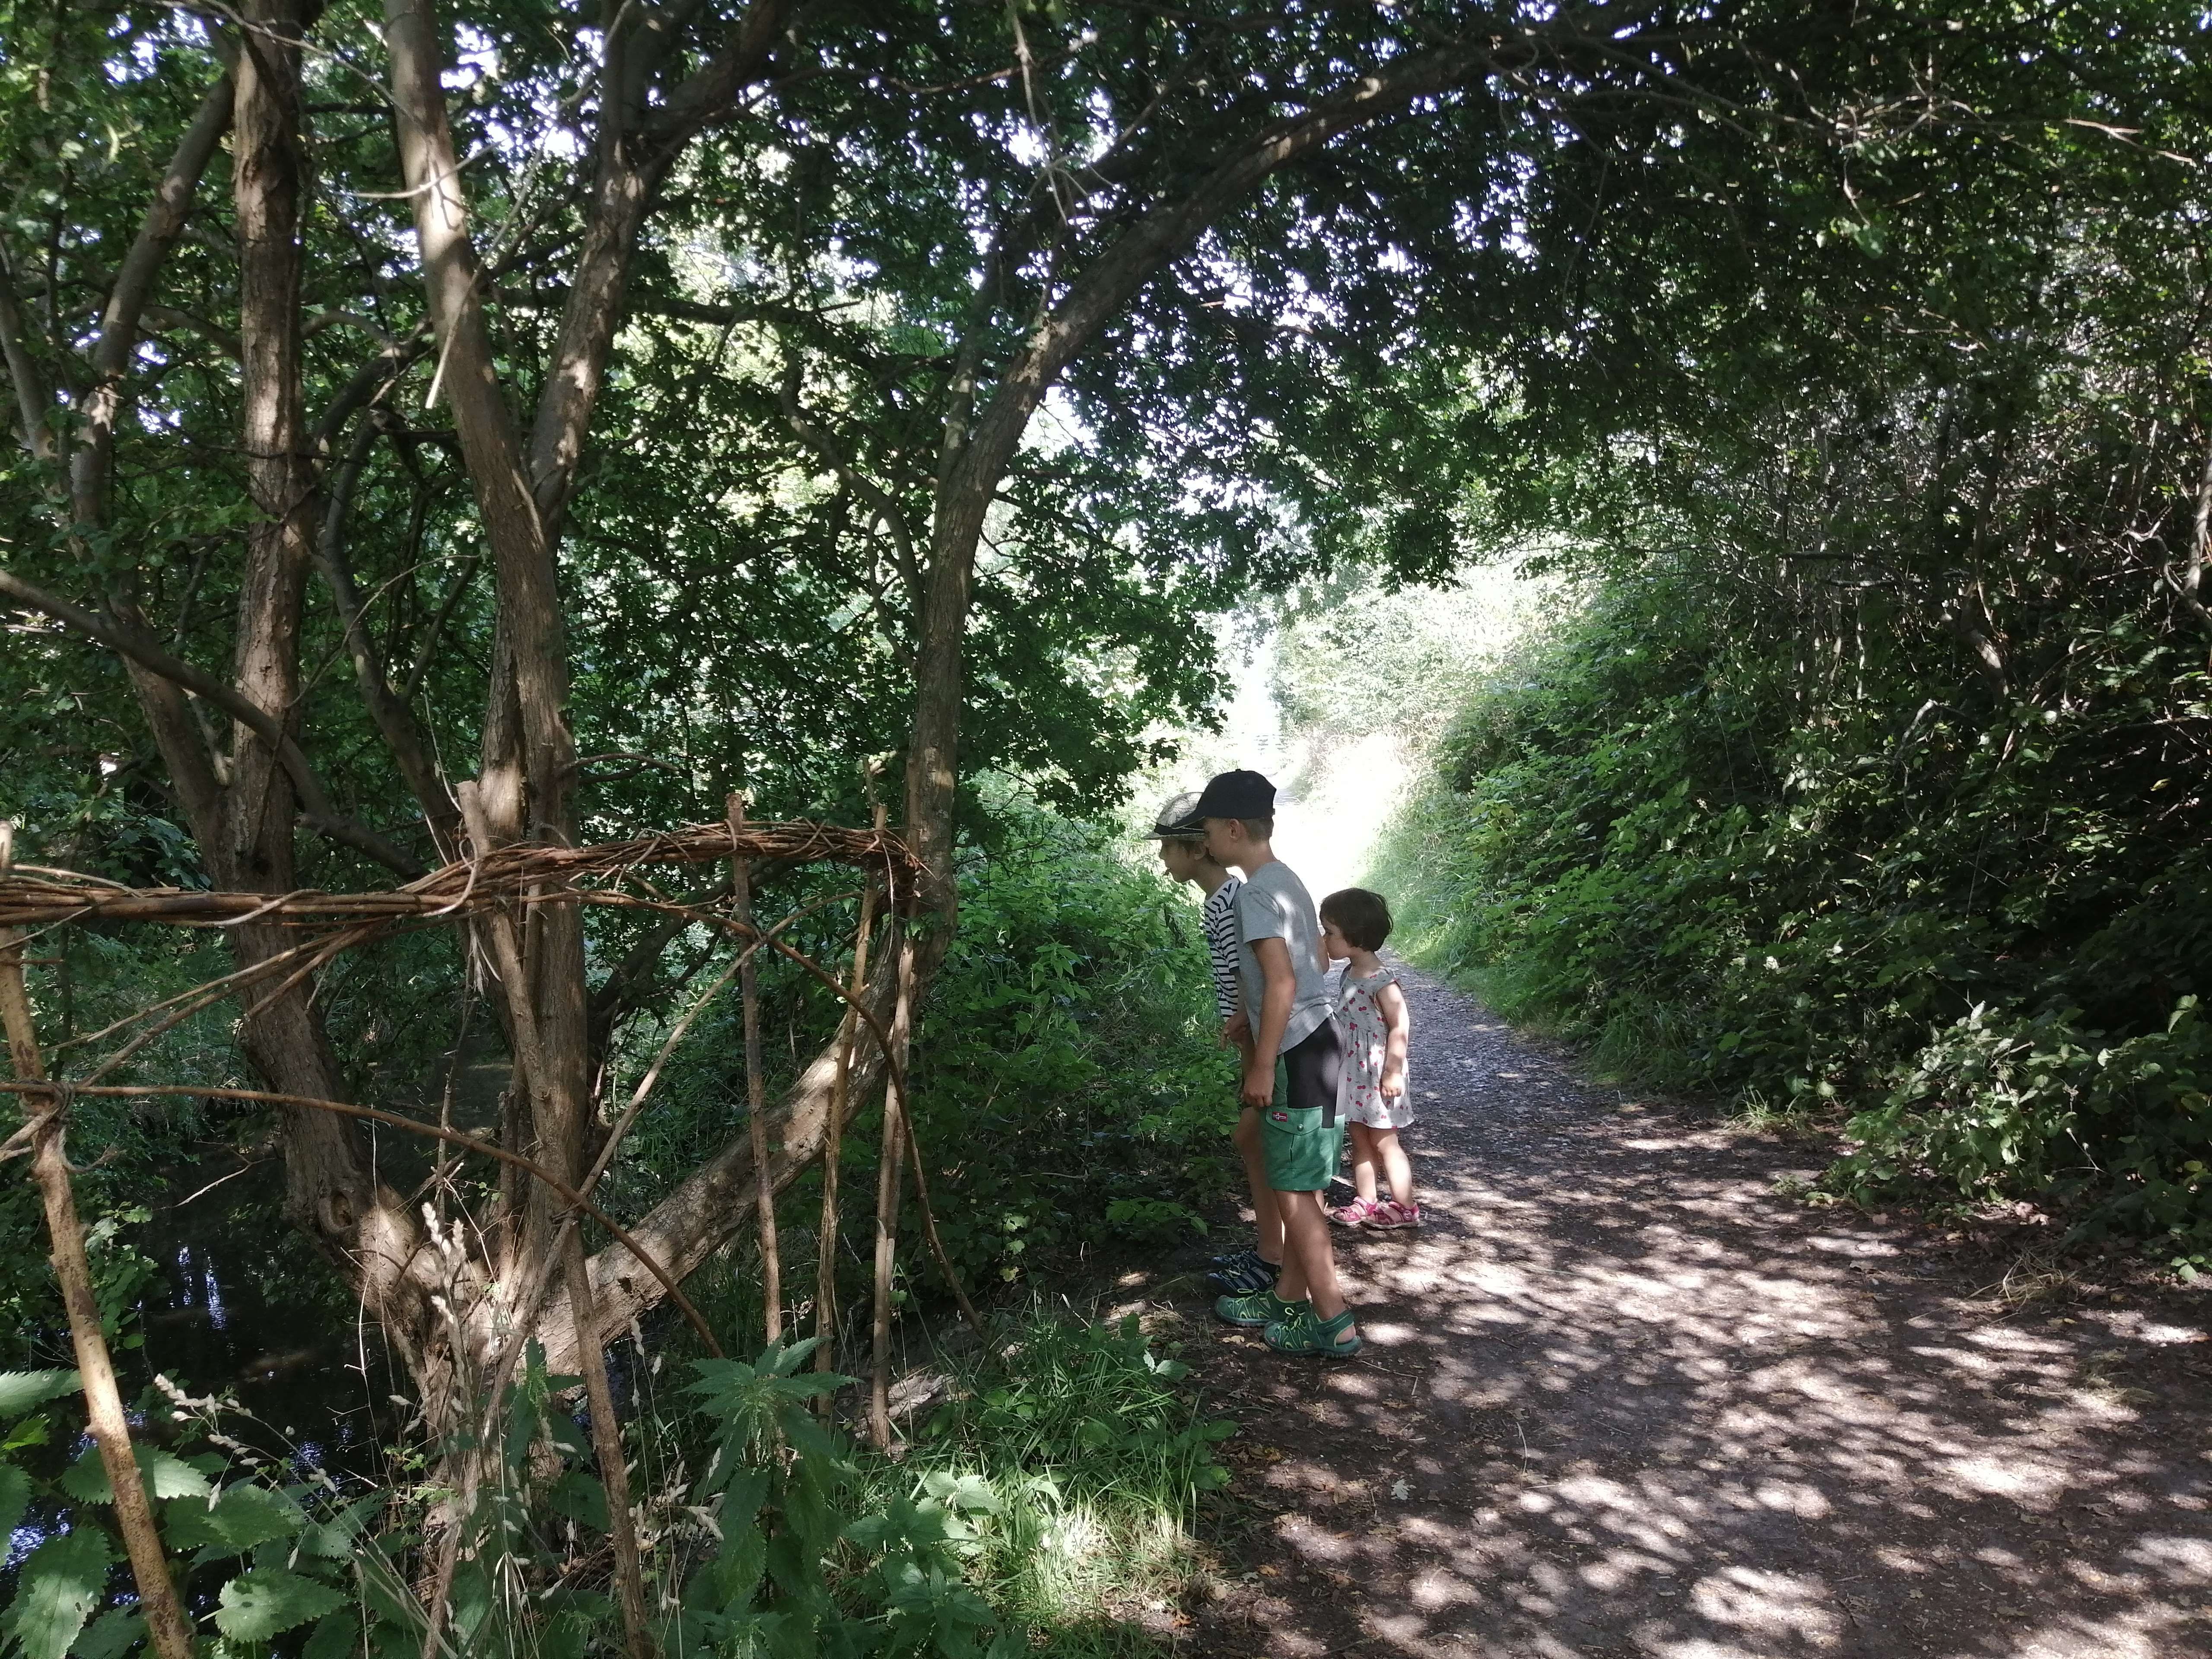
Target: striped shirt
<point>1219,918</point>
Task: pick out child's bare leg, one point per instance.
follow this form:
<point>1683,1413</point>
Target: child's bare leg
<point>1309,1255</point>
<point>1363,1161</point>
<point>1267,1216</point>
<point>1397,1166</point>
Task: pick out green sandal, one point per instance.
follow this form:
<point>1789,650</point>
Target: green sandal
<point>1261,1308</point>
<point>1299,1332</point>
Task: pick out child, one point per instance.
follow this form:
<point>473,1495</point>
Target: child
<point>1182,836</point>
<point>1183,856</point>
<point>1283,1017</point>
<point>1374,1025</point>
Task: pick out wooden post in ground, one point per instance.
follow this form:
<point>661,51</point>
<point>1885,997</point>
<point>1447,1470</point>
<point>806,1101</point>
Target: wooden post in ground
<point>170,1632</point>
<point>887,1196</point>
<point>741,878</point>
<point>583,1307</point>
<point>833,1145</point>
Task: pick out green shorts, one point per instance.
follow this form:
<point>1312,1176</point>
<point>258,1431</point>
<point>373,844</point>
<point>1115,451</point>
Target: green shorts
<point>1301,1155</point>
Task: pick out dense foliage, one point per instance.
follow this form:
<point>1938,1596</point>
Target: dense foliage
<point>1069,1090</point>
<point>1891,903</point>
<point>1872,772</point>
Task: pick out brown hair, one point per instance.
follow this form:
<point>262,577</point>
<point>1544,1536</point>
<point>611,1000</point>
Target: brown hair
<point>1364,918</point>
<point>1259,828</point>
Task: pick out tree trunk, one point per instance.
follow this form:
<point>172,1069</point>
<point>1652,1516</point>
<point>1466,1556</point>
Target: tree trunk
<point>331,1191</point>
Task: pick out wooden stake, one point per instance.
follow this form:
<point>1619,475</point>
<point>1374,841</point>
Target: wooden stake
<point>887,1198</point>
<point>166,1624</point>
<point>757,1088</point>
<point>606,1440</point>
<point>833,1145</point>
<point>583,1305</point>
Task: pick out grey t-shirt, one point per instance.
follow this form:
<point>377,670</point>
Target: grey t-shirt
<point>1273,904</point>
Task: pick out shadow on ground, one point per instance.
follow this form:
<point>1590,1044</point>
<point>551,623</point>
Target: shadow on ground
<point>1621,1398</point>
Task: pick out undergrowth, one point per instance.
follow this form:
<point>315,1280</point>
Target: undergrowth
<point>1051,1496</point>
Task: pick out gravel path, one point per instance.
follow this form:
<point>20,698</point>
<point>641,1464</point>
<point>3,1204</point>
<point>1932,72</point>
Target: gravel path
<point>1621,1397</point>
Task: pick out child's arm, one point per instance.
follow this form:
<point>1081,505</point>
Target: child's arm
<point>1398,1020</point>
<point>1282,988</point>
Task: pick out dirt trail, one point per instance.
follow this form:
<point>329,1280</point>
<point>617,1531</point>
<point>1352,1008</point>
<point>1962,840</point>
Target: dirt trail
<point>1637,1403</point>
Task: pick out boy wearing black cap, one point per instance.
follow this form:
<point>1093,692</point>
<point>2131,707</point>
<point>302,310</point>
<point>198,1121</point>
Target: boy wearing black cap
<point>1284,1016</point>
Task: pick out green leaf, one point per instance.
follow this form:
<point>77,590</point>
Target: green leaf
<point>21,1390</point>
<point>258,1604</point>
<point>334,1638</point>
<point>15,1499</point>
<point>114,1634</point>
<point>166,1474</point>
<point>62,1583</point>
<point>783,1360</point>
<point>579,1496</point>
<point>964,1491</point>
<point>339,1538</point>
<point>241,1517</point>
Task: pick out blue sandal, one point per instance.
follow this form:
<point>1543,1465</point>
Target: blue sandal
<point>1248,1272</point>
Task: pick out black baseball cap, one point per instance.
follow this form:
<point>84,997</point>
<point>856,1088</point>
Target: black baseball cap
<point>1239,794</point>
<point>1178,819</point>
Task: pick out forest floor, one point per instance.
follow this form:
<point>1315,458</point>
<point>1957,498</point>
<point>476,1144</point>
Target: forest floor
<point>1621,1396</point>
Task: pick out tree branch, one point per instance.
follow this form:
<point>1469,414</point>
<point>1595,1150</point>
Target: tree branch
<point>974,465</point>
<point>528,753</point>
<point>101,405</point>
<point>314,799</point>
<point>628,179</point>
<point>2188,586</point>
<point>395,721</point>
<point>710,91</point>
<point>428,646</point>
<point>881,507</point>
<point>394,360</point>
<point>34,399</point>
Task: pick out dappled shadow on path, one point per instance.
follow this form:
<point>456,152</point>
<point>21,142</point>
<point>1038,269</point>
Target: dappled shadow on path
<point>1621,1397</point>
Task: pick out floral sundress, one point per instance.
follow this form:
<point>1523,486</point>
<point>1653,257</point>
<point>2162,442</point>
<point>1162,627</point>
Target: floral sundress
<point>1366,1038</point>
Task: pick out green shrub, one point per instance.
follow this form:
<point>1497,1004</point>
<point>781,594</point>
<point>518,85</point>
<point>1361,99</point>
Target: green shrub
<point>1999,1106</point>
<point>1989,916</point>
<point>1066,1075</point>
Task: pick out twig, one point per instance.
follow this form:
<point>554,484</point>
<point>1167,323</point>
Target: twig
<point>607,1441</point>
<point>929,1229</point>
<point>653,1072</point>
<point>31,896</point>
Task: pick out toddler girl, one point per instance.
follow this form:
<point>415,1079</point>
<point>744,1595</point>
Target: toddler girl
<point>1373,1025</point>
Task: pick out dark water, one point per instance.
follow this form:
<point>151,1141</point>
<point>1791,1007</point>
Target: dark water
<point>244,1308</point>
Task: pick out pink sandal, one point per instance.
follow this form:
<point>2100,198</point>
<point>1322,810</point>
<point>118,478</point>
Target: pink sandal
<point>1390,1213</point>
<point>1357,1214</point>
